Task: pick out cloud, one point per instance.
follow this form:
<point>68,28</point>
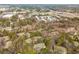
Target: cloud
<point>39,1</point>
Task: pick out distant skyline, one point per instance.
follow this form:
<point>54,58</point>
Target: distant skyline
<point>49,6</point>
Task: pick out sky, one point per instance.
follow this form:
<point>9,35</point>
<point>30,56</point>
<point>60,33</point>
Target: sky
<point>39,1</point>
